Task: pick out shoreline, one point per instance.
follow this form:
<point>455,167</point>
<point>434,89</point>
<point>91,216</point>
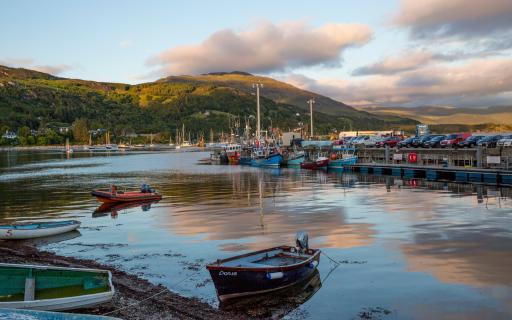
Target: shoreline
<point>130,289</point>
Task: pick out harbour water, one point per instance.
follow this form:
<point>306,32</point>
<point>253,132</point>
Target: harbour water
<point>408,248</point>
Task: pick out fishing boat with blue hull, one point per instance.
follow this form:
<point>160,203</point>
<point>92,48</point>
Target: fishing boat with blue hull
<point>265,270</point>
<point>245,161</point>
<point>343,162</point>
<point>21,314</point>
<point>30,230</point>
<point>53,288</point>
<point>273,160</point>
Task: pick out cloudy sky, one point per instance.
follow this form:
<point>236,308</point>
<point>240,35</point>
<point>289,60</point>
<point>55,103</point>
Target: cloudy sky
<point>364,53</point>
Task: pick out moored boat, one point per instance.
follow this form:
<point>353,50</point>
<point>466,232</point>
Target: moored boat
<point>296,160</point>
<point>265,270</point>
<point>273,160</point>
<point>319,163</point>
<point>146,193</point>
<point>53,288</point>
<point>21,314</point>
<point>30,230</point>
<point>343,162</point>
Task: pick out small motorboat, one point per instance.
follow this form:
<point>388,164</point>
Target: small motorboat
<point>30,230</point>
<point>319,163</point>
<point>146,193</point>
<point>265,270</point>
<point>53,288</point>
<point>21,314</point>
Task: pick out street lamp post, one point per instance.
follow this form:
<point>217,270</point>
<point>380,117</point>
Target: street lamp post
<point>258,126</point>
<point>311,101</point>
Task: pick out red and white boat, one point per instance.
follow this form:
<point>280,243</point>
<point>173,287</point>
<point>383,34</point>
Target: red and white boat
<point>319,163</point>
<point>113,195</point>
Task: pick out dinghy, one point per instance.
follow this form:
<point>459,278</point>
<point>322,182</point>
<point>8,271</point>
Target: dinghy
<point>265,270</point>
<point>146,193</point>
<point>20,314</point>
<point>53,288</point>
<point>30,230</point>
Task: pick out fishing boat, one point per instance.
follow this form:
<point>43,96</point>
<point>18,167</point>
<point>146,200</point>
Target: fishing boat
<point>233,152</point>
<point>29,230</point>
<point>318,163</point>
<point>21,314</point>
<point>296,158</point>
<point>344,157</point>
<point>265,270</point>
<point>53,288</point>
<point>272,160</point>
<point>146,193</point>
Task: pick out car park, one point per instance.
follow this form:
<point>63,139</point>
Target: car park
<point>419,141</point>
<point>407,143</point>
<point>490,141</point>
<point>452,140</point>
<point>388,141</point>
<point>470,142</point>
<point>434,142</point>
<point>505,141</point>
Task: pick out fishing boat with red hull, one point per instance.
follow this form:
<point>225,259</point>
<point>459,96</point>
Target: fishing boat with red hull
<point>146,193</point>
<point>319,163</point>
<point>265,270</point>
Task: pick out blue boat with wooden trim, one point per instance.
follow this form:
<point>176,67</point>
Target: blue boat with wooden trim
<point>272,160</point>
<point>265,270</point>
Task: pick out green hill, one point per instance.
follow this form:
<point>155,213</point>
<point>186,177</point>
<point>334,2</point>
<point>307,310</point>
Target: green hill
<point>35,99</point>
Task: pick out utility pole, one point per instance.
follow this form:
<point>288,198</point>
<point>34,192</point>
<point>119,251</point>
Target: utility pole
<point>258,127</point>
<point>311,101</point>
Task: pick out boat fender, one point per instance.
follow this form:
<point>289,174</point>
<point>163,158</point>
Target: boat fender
<point>313,264</point>
<point>274,275</point>
<point>292,250</point>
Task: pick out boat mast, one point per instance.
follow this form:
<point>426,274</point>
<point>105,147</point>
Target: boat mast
<point>182,133</point>
<point>311,101</point>
<point>258,126</point>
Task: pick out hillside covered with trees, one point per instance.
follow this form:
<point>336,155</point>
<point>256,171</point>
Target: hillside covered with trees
<point>33,101</point>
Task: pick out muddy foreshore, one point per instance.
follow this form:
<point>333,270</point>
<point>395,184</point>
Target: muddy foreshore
<point>130,289</point>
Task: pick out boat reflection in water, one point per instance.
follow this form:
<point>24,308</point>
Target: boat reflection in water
<point>114,208</point>
<point>276,304</point>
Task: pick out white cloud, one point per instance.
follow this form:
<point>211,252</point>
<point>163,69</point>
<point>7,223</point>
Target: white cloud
<point>264,48</point>
<point>29,63</point>
<point>473,83</point>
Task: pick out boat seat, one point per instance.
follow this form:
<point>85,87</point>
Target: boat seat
<point>248,264</point>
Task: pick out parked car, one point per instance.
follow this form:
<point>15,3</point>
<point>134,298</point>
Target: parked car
<point>388,141</point>
<point>406,143</point>
<point>434,142</point>
<point>506,141</point>
<point>490,141</point>
<point>470,142</point>
<point>419,141</point>
<point>452,140</point>
<point>369,141</point>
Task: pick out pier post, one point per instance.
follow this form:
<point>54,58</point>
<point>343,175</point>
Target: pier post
<point>386,154</point>
<point>479,156</point>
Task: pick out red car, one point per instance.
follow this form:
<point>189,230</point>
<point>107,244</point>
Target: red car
<point>389,141</point>
<point>452,140</point>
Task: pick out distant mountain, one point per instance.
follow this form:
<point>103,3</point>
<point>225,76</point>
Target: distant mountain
<point>34,99</point>
<point>449,115</point>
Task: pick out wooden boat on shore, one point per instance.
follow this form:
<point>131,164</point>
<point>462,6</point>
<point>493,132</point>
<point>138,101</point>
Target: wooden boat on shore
<point>146,193</point>
<point>21,314</point>
<point>53,288</point>
<point>319,163</point>
<point>30,230</point>
<point>264,271</point>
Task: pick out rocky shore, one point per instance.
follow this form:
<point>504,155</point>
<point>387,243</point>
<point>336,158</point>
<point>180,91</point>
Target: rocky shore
<point>130,290</point>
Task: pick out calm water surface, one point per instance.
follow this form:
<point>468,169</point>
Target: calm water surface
<point>410,248</point>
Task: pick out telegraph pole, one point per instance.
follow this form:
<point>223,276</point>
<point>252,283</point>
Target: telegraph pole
<point>258,127</point>
<point>311,101</point>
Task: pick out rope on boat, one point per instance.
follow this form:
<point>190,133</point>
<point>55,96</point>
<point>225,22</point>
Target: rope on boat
<point>150,297</point>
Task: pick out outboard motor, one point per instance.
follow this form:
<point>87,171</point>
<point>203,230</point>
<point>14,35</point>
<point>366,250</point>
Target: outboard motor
<point>301,239</point>
<point>144,188</point>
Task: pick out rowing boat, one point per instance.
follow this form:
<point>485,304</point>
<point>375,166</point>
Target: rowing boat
<point>29,230</point>
<point>53,288</point>
<point>263,271</point>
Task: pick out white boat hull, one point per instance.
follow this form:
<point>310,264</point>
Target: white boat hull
<point>19,234</point>
<point>78,302</point>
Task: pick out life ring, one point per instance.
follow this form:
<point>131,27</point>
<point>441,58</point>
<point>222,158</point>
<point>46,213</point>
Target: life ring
<point>412,157</point>
<point>333,156</point>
